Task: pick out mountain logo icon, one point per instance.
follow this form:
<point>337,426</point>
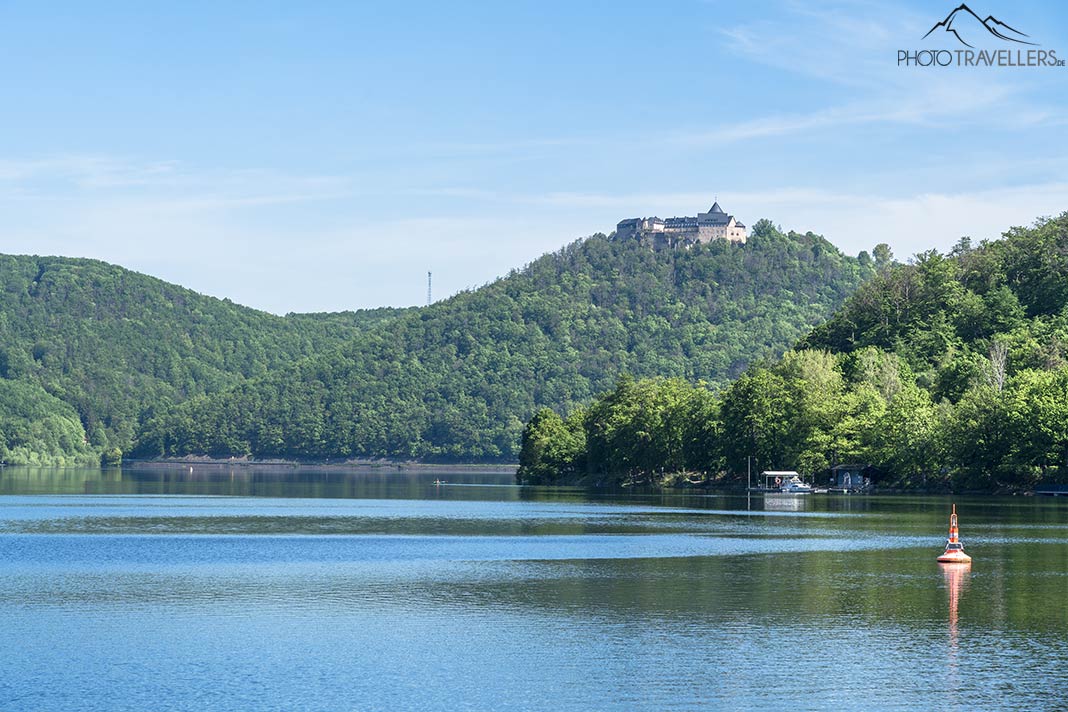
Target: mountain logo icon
<point>963,23</point>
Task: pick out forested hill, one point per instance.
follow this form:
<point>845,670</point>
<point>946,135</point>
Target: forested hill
<point>457,380</point>
<point>89,350</point>
<point>947,372</point>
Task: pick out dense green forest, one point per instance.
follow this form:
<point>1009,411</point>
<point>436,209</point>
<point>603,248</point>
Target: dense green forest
<point>457,380</point>
<point>948,372</point>
<point>88,351</point>
<point>40,429</point>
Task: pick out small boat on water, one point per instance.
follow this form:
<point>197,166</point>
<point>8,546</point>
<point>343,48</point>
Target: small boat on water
<point>954,553</point>
<point>795,486</point>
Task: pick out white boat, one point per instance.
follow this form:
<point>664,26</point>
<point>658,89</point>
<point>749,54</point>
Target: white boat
<point>795,486</point>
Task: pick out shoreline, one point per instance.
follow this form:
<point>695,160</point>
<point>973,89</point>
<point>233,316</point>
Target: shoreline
<point>369,466</point>
<point>686,482</point>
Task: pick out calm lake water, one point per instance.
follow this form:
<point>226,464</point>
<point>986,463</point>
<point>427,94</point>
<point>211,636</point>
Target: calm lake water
<point>291,590</point>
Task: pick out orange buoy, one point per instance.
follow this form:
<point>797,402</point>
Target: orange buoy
<point>954,553</point>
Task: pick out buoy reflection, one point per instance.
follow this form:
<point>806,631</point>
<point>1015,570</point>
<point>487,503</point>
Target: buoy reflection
<point>956,577</point>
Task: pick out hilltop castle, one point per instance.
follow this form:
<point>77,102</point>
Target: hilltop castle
<point>682,232</point>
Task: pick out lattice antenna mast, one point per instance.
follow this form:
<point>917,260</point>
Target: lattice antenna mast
<point>429,290</point>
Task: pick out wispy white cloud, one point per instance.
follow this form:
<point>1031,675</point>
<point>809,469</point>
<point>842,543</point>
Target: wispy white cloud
<point>168,184</point>
<point>927,101</point>
<point>86,171</point>
<point>848,43</point>
<point>956,103</point>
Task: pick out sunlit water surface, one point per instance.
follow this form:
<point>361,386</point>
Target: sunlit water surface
<point>295,590</point>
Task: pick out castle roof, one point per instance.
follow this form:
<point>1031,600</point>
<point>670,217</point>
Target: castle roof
<point>715,208</point>
<point>714,218</point>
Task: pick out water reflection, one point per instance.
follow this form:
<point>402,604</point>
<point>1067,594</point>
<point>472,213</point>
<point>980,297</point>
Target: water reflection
<point>775,502</point>
<point>321,482</point>
<point>956,577</point>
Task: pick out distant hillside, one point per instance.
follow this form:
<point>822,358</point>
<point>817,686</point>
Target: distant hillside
<point>947,372</point>
<point>101,348</point>
<point>457,380</point>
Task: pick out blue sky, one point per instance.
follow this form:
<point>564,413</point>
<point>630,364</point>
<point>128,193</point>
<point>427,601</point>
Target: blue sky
<point>324,156</point>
